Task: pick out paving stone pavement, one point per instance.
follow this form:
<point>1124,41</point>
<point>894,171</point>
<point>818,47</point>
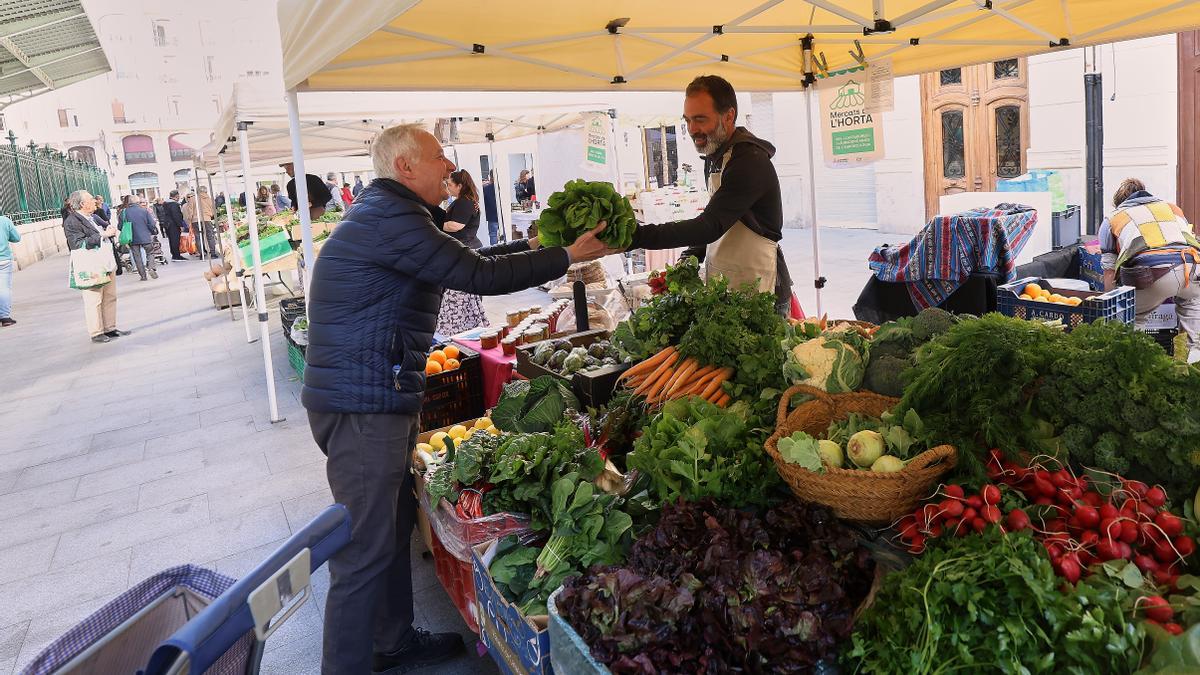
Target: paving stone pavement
<point>120,460</point>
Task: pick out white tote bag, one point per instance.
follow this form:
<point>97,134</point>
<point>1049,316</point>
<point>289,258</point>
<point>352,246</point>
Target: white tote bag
<point>90,267</point>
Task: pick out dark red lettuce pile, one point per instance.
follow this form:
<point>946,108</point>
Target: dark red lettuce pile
<point>717,590</point>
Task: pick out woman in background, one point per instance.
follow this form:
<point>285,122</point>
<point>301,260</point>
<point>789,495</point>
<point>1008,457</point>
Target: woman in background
<point>462,311</point>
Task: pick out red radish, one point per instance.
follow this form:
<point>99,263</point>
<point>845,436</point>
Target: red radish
<point>932,513</point>
<point>1056,525</point>
<point>1110,527</point>
<point>954,491</point>
<point>1085,557</point>
<point>1157,608</point>
<point>1089,538</point>
<point>1087,516</point>
<point>1137,487</point>
<point>1145,563</point>
<point>1170,524</point>
<point>918,544</point>
<point>951,508</point>
<point>1107,510</point>
<point>1107,549</point>
<point>1017,520</point>
<point>1129,531</point>
<point>1173,628</point>
<point>975,502</point>
<point>935,530</point>
<point>1162,577</point>
<point>990,494</point>
<point>1062,479</point>
<point>1185,545</point>
<point>1093,499</point>
<point>909,530</point>
<point>1156,497</point>
<point>1069,568</point>
<point>978,524</point>
<point>1149,534</point>
<point>1044,487</point>
<point>1165,552</point>
<point>991,514</point>
<point>1125,550</point>
<point>1074,494</point>
<point>969,514</point>
<point>1054,549</point>
<point>1043,501</point>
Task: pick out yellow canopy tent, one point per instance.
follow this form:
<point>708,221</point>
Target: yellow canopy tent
<point>552,45</point>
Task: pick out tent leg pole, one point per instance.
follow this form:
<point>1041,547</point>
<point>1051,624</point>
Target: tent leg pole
<point>502,225</point>
<point>306,238</point>
<point>236,255</point>
<point>220,240</point>
<point>818,280</point>
<point>260,299</point>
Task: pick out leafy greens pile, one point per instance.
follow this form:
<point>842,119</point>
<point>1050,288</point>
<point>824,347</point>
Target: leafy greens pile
<point>586,529</point>
<point>716,590</point>
<point>694,449</point>
<point>1104,393</point>
<point>525,467</point>
<point>533,405</point>
<point>991,603</point>
<point>581,206</point>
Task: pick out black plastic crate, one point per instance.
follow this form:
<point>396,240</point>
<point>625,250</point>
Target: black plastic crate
<point>1165,339</point>
<point>290,309</point>
<point>456,395</point>
<point>1115,305</point>
<point>593,387</point>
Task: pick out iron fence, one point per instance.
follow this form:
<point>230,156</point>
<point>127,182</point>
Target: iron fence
<point>35,181</point>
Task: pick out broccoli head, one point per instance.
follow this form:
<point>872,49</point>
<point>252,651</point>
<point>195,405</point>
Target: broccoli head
<point>894,348</point>
<point>931,322</point>
<point>883,375</point>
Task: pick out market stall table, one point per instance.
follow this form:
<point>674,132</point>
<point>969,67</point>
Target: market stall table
<point>497,369</point>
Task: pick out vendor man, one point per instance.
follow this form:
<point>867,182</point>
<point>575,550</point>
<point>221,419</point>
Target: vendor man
<point>318,192</point>
<point>372,307</point>
<point>737,236</point>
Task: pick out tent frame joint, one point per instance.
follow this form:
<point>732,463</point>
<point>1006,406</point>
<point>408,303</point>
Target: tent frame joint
<point>618,79</point>
<point>477,48</point>
<point>614,26</point>
<point>718,29</point>
<point>1062,42</point>
<point>881,27</point>
<point>819,282</point>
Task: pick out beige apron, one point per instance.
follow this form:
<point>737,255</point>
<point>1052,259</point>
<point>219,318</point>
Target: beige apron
<point>740,255</point>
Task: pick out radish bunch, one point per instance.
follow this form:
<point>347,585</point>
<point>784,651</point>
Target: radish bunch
<point>1076,523</point>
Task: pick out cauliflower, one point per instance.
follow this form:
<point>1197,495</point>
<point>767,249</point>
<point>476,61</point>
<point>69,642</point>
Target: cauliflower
<point>831,365</point>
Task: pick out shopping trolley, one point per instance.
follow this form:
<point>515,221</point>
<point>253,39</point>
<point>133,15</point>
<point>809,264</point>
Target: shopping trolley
<point>192,620</point>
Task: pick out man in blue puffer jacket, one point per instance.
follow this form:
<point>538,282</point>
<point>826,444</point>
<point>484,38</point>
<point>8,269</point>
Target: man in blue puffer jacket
<point>372,306</point>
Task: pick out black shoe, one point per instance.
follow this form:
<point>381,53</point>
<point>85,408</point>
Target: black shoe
<point>118,333</point>
<point>7,321</point>
<point>179,258</point>
<point>145,279</point>
<point>423,649</point>
<point>103,337</point>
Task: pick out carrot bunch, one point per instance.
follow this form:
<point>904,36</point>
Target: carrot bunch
<point>665,376</point>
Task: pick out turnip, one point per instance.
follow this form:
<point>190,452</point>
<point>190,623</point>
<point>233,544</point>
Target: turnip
<point>831,453</point>
<point>888,464</point>
<point>865,447</point>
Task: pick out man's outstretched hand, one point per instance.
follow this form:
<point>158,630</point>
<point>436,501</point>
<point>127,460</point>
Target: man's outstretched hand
<point>588,247</point>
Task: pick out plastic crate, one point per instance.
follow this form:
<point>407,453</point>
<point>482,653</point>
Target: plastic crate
<point>519,644</point>
<point>593,387</point>
<point>1115,305</point>
<point>568,652</point>
<point>458,579</point>
<point>1065,230</point>
<point>290,309</point>
<point>456,395</point>
<point>296,358</point>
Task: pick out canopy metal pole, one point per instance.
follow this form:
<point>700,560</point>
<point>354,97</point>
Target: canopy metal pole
<point>236,254</point>
<point>810,82</point>
<point>306,238</point>
<point>496,186</point>
<point>260,300</point>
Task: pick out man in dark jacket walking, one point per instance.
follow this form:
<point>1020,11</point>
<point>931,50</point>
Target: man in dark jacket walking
<point>372,307</point>
<point>144,231</point>
<point>737,236</point>
<point>173,224</point>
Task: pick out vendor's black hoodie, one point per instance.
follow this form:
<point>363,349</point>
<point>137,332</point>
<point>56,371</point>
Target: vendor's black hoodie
<point>749,192</point>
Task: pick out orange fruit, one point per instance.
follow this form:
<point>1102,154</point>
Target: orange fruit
<point>439,356</point>
<point>1025,296</point>
<point>1044,293</point>
<point>451,364</point>
<point>432,367</point>
<point>451,351</point>
<point>1033,290</point>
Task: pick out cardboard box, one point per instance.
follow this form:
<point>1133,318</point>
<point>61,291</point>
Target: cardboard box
<point>520,645</point>
<point>226,299</point>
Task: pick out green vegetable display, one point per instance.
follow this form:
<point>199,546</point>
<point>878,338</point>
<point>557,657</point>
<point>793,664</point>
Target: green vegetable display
<point>533,405</point>
<point>581,206</point>
<point>694,449</point>
<point>526,465</point>
<point>991,603</point>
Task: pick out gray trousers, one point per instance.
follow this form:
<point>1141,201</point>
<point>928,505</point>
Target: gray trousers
<point>370,605</point>
<point>137,252</point>
<point>206,240</point>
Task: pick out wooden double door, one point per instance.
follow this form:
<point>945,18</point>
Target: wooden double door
<point>975,124</point>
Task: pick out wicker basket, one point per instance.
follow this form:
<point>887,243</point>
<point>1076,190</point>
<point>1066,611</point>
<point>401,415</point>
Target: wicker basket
<point>854,495</point>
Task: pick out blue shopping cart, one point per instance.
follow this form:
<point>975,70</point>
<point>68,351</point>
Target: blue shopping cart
<point>192,620</point>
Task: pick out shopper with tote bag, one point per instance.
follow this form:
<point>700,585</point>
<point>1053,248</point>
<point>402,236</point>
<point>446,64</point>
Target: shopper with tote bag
<point>92,266</point>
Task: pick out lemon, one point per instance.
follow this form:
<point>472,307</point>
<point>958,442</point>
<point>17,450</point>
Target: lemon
<point>1025,297</point>
<point>470,432</point>
<point>483,423</point>
<point>438,440</point>
<point>426,447</point>
<point>458,431</point>
<point>493,431</point>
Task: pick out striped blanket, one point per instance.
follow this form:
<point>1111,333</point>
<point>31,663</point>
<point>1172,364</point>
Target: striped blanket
<point>939,259</point>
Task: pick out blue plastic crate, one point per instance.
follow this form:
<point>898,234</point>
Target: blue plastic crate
<point>1115,305</point>
<point>520,645</point>
<point>568,651</point>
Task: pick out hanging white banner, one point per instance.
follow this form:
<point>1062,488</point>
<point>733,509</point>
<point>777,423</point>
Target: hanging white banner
<point>850,136</point>
<point>597,146</point>
<point>880,90</point>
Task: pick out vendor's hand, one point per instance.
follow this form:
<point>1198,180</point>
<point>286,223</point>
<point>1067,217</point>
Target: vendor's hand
<point>111,231</point>
<point>534,244</point>
<point>588,247</point>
